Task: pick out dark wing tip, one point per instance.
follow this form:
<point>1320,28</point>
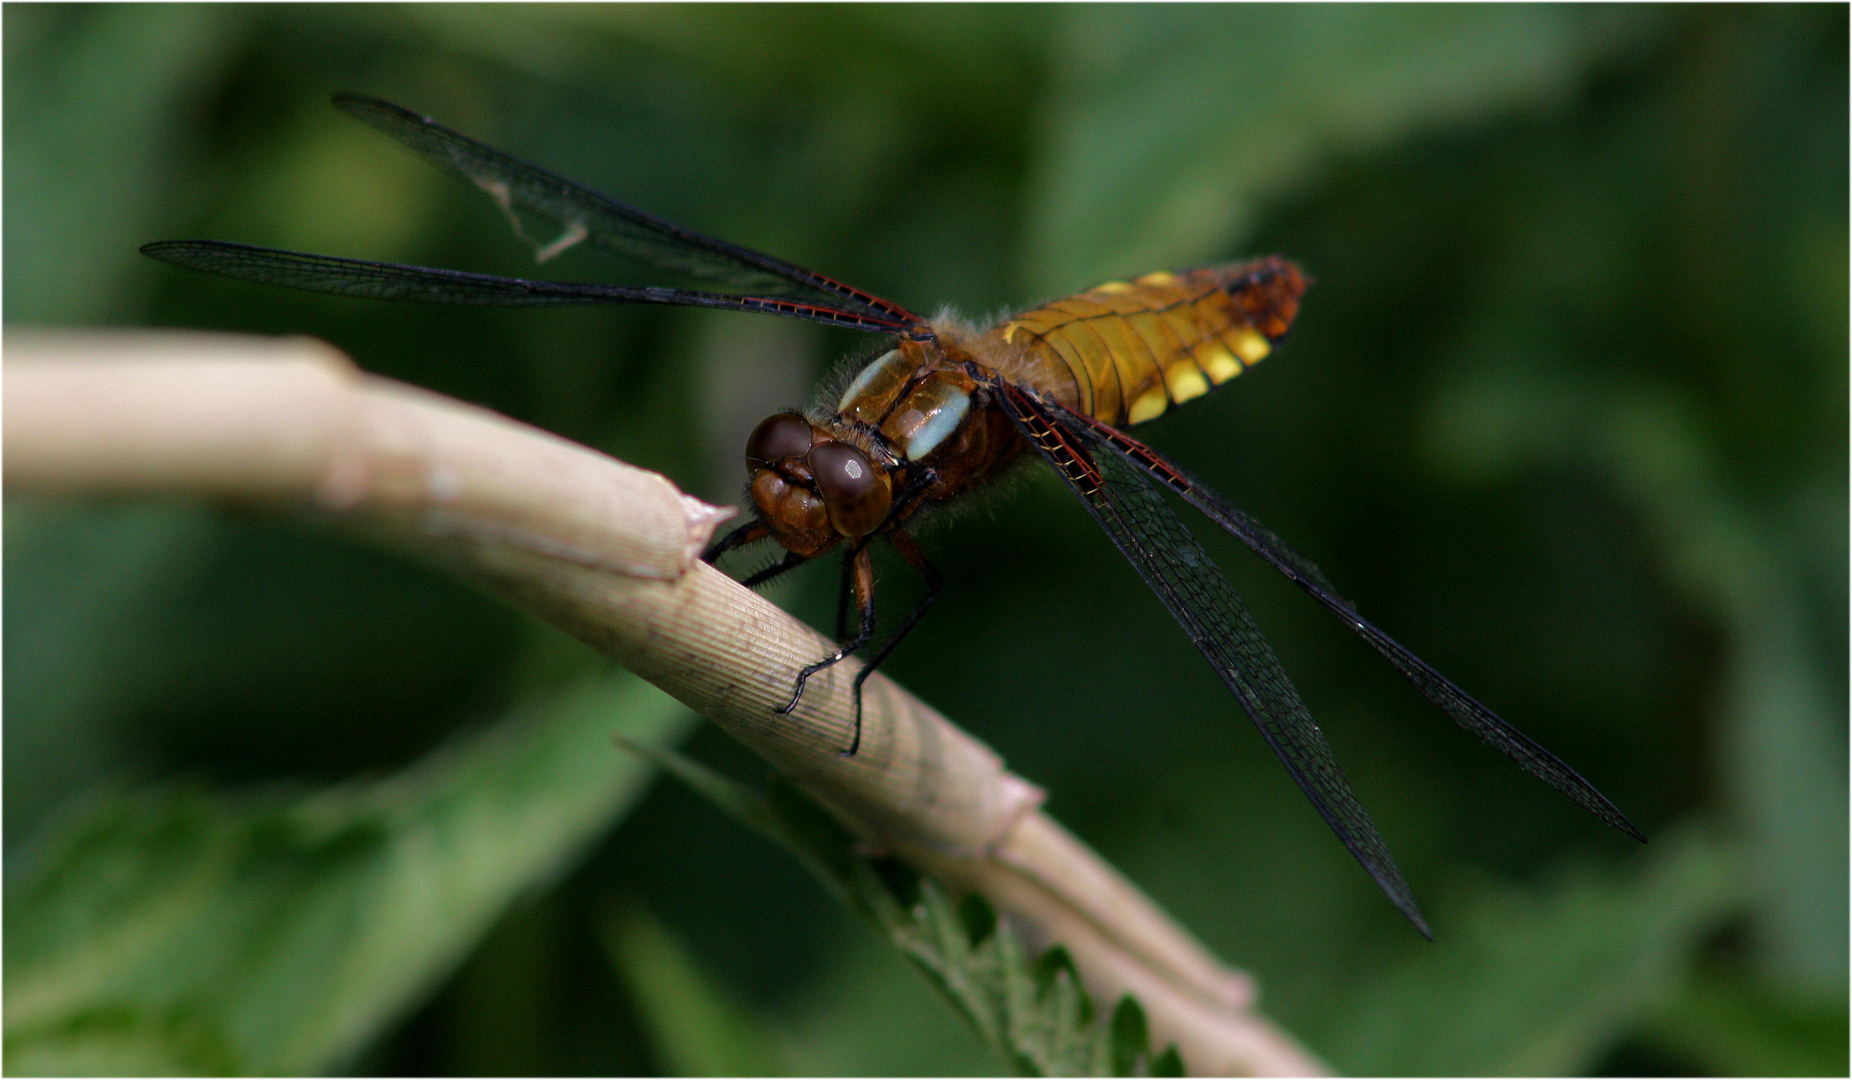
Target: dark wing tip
<point>1366,846</point>
<point>349,102</point>
<point>1388,878</point>
<point>378,112</point>
<point>177,252</point>
<point>1540,763</point>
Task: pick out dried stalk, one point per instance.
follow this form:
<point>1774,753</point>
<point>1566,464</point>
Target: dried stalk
<point>610,553</point>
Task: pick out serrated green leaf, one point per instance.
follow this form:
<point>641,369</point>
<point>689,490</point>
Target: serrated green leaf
<point>1033,1012</point>
<point>979,917</point>
<point>175,928</point>
<point>1130,1041</point>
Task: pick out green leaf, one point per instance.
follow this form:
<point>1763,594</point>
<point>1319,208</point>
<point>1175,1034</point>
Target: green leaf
<point>979,917</point>
<point>1540,984</point>
<point>89,599</point>
<point>695,1028</point>
<point>1170,128</point>
<point>91,133</point>
<point>1054,965</point>
<point>1033,1012</point>
<point>1735,1027</point>
<point>1781,729</point>
<point>1131,1044</point>
<point>1129,1038</point>
<point>178,929</point>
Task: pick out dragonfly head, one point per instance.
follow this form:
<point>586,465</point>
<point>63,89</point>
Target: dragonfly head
<point>812,488</point>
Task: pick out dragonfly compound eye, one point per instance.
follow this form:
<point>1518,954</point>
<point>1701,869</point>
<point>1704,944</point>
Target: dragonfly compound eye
<point>854,491</point>
<point>786,435</point>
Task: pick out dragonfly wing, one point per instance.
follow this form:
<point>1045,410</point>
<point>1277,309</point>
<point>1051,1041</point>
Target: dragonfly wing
<point>1455,702</point>
<point>585,215</point>
<point>1119,495</point>
<point>396,281</point>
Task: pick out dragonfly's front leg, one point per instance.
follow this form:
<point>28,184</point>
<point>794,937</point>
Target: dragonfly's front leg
<point>911,552</point>
<point>748,533</point>
<point>791,561</point>
<point>858,577</point>
<point>740,537</point>
<point>859,573</point>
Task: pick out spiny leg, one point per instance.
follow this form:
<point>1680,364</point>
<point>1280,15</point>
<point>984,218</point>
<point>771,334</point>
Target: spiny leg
<point>740,537</point>
<point>791,561</point>
<point>863,576</point>
<point>748,533</point>
<point>911,552</point>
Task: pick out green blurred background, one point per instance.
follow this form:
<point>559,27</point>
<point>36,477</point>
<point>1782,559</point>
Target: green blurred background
<point>1565,412</point>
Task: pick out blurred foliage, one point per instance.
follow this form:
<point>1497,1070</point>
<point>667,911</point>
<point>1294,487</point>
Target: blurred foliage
<point>1033,1013</point>
<point>695,1027</point>
<point>176,930</point>
<point>1565,411</point>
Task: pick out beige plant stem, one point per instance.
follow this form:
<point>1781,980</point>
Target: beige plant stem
<point>610,553</point>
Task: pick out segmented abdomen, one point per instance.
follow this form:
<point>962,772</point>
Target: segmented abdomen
<point>1125,351</point>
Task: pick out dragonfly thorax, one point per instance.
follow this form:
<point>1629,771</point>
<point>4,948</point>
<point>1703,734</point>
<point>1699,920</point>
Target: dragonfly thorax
<point>912,396</point>
<point>914,428</point>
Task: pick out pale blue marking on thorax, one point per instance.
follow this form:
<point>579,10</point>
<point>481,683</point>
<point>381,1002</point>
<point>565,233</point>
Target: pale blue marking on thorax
<point>943,421</point>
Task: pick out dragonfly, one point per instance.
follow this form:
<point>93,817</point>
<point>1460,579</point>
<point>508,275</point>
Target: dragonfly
<point>944,409</point>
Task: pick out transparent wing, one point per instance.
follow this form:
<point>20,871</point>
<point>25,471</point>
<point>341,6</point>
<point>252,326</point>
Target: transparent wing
<point>584,214</point>
<point>1455,702</point>
<point>1121,497</point>
<point>396,281</point>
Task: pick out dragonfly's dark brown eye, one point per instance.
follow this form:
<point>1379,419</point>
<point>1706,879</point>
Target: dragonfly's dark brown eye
<point>855,492</point>
<point>786,435</point>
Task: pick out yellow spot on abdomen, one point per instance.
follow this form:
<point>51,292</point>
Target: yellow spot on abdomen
<point>1251,345</point>
<point>1114,287</point>
<point>1218,362</point>
<point>1157,279</point>
<point>1185,381</point>
<point>1150,404</point>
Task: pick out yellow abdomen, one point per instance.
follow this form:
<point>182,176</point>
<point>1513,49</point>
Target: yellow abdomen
<point>1125,351</point>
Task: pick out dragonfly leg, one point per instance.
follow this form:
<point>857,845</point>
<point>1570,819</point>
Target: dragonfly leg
<point>740,537</point>
<point>861,571</point>
<point>842,595</point>
<point>911,552</point>
<point>791,561</point>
